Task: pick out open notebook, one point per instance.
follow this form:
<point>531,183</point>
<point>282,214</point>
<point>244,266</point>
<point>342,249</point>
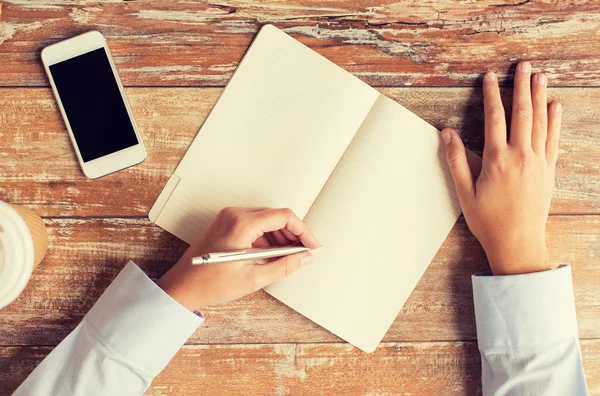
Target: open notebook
<point>369,178</point>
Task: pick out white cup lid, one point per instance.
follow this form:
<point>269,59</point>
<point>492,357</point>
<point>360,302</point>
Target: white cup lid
<point>16,254</point>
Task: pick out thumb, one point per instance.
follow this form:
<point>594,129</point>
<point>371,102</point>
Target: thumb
<point>268,273</point>
<point>456,157</point>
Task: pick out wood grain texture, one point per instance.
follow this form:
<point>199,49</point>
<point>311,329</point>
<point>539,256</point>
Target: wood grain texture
<point>38,167</point>
<point>428,368</point>
<point>385,43</point>
<point>169,49</point>
<point>86,254</point>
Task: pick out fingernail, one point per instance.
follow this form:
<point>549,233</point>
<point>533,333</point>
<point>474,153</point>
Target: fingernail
<point>525,67</point>
<point>306,259</point>
<point>557,107</point>
<point>447,137</point>
<point>491,76</point>
<point>542,79</point>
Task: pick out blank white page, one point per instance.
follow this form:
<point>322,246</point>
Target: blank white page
<point>381,218</point>
<point>274,137</point>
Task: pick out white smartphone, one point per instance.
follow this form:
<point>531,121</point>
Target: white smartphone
<point>93,104</point>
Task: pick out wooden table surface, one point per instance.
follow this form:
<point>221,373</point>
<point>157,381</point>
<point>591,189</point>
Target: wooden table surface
<point>174,57</point>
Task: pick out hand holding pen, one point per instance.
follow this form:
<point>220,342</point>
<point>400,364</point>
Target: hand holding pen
<point>234,230</point>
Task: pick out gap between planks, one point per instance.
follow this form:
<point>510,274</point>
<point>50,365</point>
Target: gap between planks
<point>373,86</point>
<point>558,214</point>
<point>340,344</point>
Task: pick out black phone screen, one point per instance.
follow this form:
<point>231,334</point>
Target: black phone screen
<point>92,101</point>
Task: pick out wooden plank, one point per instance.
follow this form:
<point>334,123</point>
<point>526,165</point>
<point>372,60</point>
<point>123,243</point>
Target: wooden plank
<point>386,43</point>
<point>86,254</point>
<point>438,368</point>
<point>38,167</point>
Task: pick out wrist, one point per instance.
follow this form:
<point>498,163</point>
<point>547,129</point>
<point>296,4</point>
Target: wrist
<point>514,260</point>
<point>175,283</point>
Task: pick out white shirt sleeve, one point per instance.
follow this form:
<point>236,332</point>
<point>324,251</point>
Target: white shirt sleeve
<point>527,334</point>
<point>125,340</point>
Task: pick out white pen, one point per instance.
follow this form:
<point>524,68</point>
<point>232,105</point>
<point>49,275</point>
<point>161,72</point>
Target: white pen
<point>247,254</point>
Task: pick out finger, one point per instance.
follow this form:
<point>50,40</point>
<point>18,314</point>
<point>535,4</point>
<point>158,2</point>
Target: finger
<point>271,239</point>
<point>281,240</point>
<point>554,120</point>
<point>252,210</point>
<point>289,235</point>
<point>456,157</point>
<point>275,219</point>
<point>261,242</point>
<point>237,211</point>
<point>522,111</point>
<point>540,113</point>
<point>265,274</point>
<point>495,119</point>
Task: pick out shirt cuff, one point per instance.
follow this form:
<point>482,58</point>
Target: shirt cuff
<point>527,309</point>
<point>142,322</point>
